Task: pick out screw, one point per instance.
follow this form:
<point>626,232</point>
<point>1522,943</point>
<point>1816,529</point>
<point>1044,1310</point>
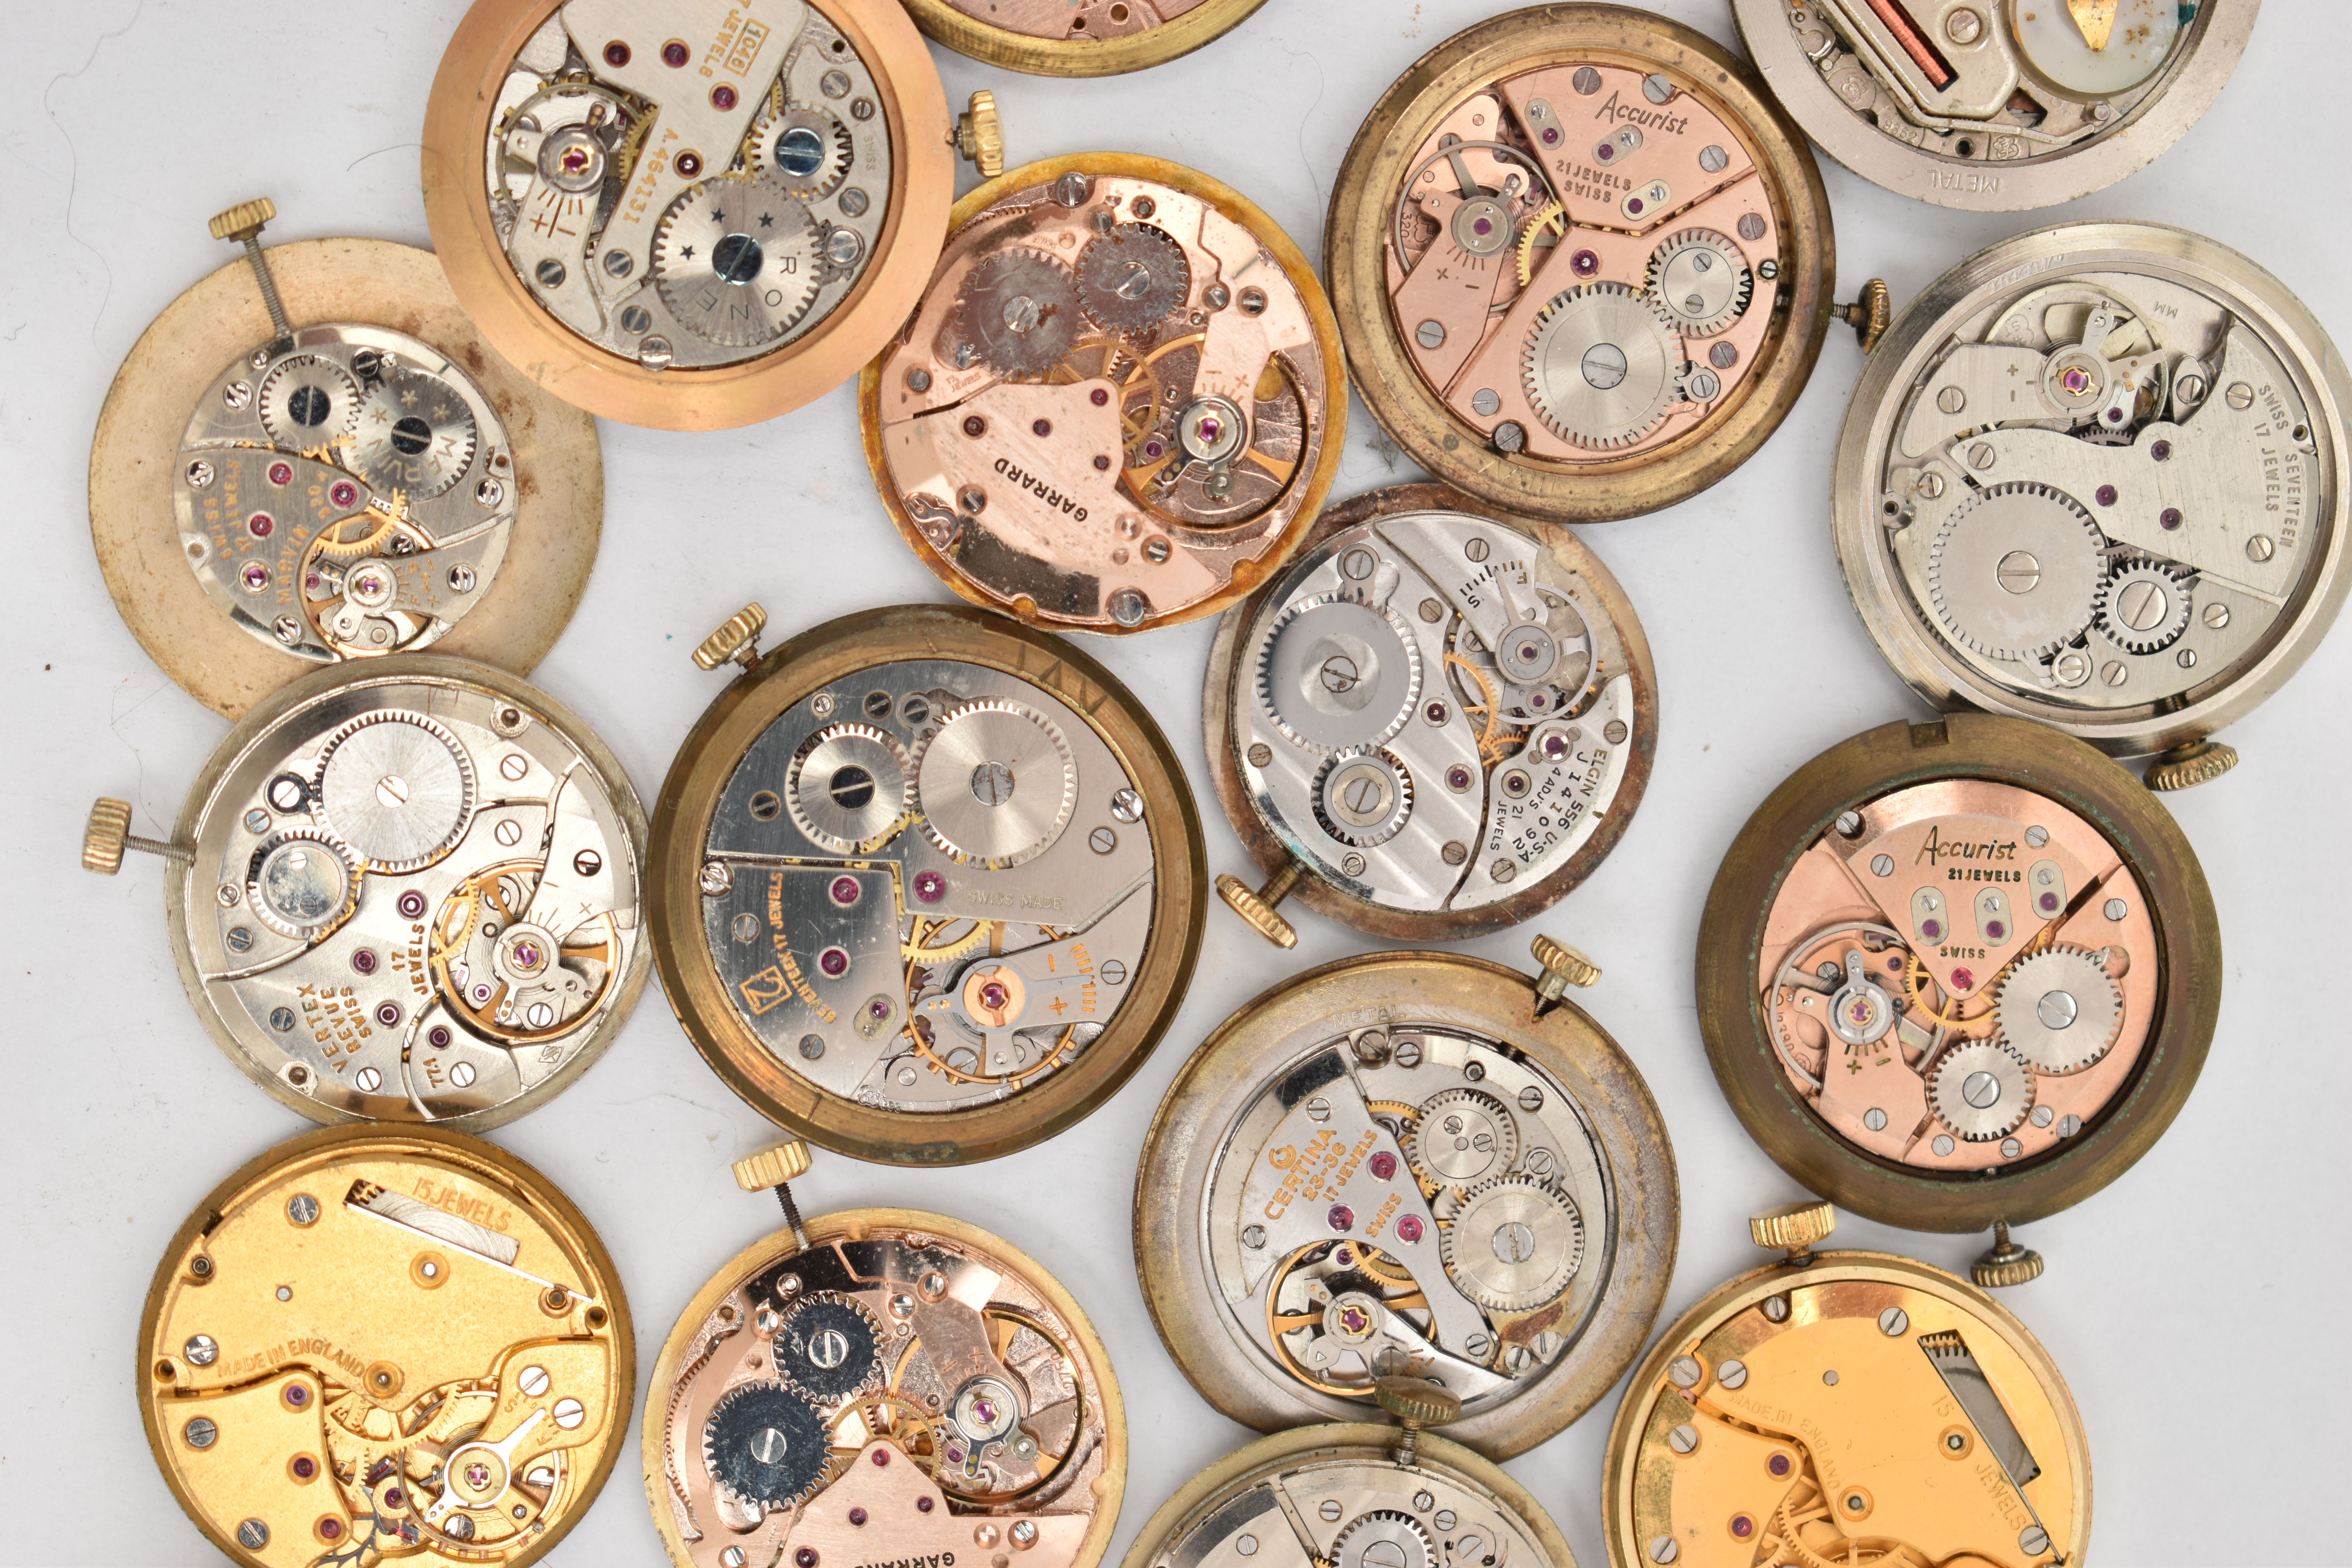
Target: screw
<point>2240,395</point>
<point>2033,1541</point>
<point>717,878</point>
<point>252,1535</point>
<point>1684,1371</point>
<point>2261,547</point>
<point>1964,27</point>
<point>302,1209</point>
<point>1732,1373</point>
<point>1893,1321</point>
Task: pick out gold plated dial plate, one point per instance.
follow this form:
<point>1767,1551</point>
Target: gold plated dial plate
<point>692,216</point>
<point>1078,37</point>
<point>1393,1166</point>
<point>1995,105</point>
<point>904,1386</point>
<point>372,1343</point>
<point>1445,713</point>
<point>1581,262</point>
<point>1958,972</point>
<point>372,483</point>
<point>1120,404</point>
<point>928,885</point>
<point>2097,478</point>
<point>412,894</point>
<point>1340,1493</point>
<point>1857,1408</point>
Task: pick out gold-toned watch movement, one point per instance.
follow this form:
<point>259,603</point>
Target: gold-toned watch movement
<point>1361,1496</point>
<point>1413,1165</point>
<point>881,1385</point>
<point>695,215</point>
<point>1078,37</point>
<point>1842,1407</point>
<point>374,1343</point>
<point>308,459</point>
<point>405,890</point>
<point>1582,262</point>
<point>1958,974</point>
<point>1119,404</point>
<point>928,885</point>
<point>1433,724</point>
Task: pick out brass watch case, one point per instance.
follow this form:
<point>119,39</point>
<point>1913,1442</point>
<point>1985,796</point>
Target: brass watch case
<point>456,206</point>
<point>1310,487</point>
<point>1014,49</point>
<point>808,663</point>
<point>186,884</point>
<point>680,1350</point>
<point>407,1322</point>
<point>1438,990</point>
<point>1639,1438</point>
<point>558,468</point>
<point>1221,693</point>
<point>1355,262</point>
<point>1961,746</point>
<point>1196,1502</point>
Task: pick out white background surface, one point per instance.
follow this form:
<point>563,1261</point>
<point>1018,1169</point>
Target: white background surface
<point>2189,1304</point>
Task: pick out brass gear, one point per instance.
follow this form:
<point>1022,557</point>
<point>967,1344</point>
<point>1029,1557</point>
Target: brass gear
<point>1543,232</point>
<point>932,955</point>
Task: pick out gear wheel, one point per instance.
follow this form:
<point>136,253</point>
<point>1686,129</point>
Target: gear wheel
<point>1514,1244</point>
<point>299,884</point>
<point>2059,1009</point>
<point>830,1348</point>
<point>308,402</point>
<point>1019,309</point>
<point>810,151</point>
<point>1384,1538</point>
<point>1603,366</point>
<point>1336,672</point>
<point>847,788</point>
<point>736,260</point>
<point>396,787</point>
<point>2143,606</point>
<point>1701,281</point>
<point>1543,231</point>
<point>2014,570</point>
<point>995,783</point>
<point>1462,1135</point>
<point>413,434</point>
<point>765,1444</point>
<point>1982,1090</point>
<point>1363,798</point>
<point>1132,278</point>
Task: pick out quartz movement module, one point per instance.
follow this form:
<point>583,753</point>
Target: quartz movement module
<point>928,884</point>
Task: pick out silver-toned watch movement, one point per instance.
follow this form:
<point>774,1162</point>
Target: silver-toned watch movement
<point>2095,476</point>
<point>406,892</point>
<point>1433,724</point>
<point>1409,1165</point>
<point>1995,105</point>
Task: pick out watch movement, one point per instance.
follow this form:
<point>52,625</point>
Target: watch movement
<point>1078,37</point>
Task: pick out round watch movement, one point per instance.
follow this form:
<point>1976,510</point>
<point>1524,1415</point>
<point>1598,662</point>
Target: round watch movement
<point>1433,724</point>
<point>879,1385</point>
<point>1410,1165</point>
<point>405,891</point>
<point>1995,105</point>
<point>694,216</point>
<point>374,1343</point>
<point>1845,1407</point>
<point>1119,404</point>
<point>1078,37</point>
<point>293,468</point>
<point>1958,974</point>
<point>929,884</point>
<point>2095,478</point>
<point>1582,263</point>
<point>1354,1496</point>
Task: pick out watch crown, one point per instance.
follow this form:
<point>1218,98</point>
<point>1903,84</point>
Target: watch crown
<point>2007,1263</point>
<point>1253,906</point>
<point>244,220</point>
<point>1417,1402</point>
<point>106,836</point>
<point>738,639</point>
<point>1793,1227</point>
<point>2187,766</point>
<point>1562,967</point>
<point>980,134</point>
<point>773,1167</point>
<point>1869,314</point>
